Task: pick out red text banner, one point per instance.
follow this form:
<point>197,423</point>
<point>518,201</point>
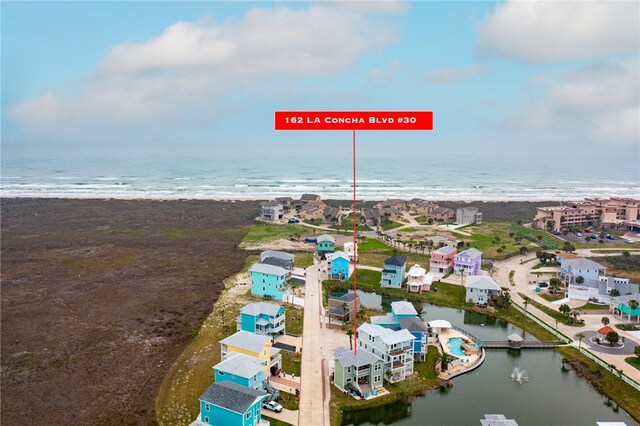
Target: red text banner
<point>353,120</point>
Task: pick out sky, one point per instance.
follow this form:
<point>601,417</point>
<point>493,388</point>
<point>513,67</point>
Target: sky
<point>173,78</point>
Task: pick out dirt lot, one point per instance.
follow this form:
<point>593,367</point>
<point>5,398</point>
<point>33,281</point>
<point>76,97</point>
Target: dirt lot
<point>100,297</point>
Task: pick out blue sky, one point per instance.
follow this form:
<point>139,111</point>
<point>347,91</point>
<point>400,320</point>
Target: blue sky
<point>514,78</point>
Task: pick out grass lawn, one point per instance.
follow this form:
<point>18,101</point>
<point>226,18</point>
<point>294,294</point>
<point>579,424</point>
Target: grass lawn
<point>264,232</point>
<point>605,382</point>
<point>634,361</point>
<point>373,252</point>
<point>276,422</point>
<point>387,226</point>
<point>593,307</point>
<point>551,297</point>
<point>422,219</point>
<point>303,259</point>
<point>560,317</point>
<point>289,401</point>
<point>294,319</point>
<point>291,362</point>
<point>424,378</point>
<point>347,225</point>
<point>622,266</point>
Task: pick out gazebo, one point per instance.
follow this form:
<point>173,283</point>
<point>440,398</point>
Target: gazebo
<point>602,333</point>
<point>515,341</point>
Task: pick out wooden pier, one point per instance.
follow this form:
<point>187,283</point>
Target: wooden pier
<point>506,344</point>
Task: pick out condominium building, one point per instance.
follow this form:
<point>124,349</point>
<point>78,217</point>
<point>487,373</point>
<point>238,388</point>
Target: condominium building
<point>585,213</point>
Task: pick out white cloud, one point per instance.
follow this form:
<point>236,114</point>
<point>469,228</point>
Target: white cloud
<point>547,31</point>
<point>599,103</point>
<point>186,69</point>
<point>454,75</point>
<point>369,6</point>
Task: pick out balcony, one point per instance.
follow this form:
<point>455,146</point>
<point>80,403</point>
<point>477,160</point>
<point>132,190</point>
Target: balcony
<point>276,359</point>
<point>363,371</point>
<point>400,350</point>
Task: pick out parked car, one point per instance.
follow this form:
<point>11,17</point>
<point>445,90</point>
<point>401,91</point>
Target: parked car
<point>291,220</point>
<point>593,237</point>
<point>609,237</point>
<point>273,406</point>
<point>579,234</point>
<point>543,285</point>
<point>628,241</point>
<point>587,230</point>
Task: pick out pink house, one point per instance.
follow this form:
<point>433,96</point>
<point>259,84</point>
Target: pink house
<point>442,260</point>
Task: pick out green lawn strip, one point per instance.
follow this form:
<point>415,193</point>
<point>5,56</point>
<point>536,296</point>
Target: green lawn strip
<point>373,252</point>
<point>551,297</point>
<point>483,237</point>
<point>289,401</point>
<point>603,381</point>
<point>387,226</point>
<point>560,317</point>
<point>294,319</point>
<point>633,361</point>
<point>422,219</point>
<point>291,362</point>
<point>265,232</point>
<point>303,259</point>
<point>275,422</point>
<point>424,378</point>
<point>615,251</point>
<point>593,307</point>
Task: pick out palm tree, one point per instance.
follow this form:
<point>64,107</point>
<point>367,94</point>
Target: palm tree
<point>387,375</point>
<point>636,351</point>
<point>580,336</point>
<point>525,301</point>
<point>633,305</point>
<point>605,321</point>
<point>615,292</point>
<point>564,309</point>
<point>350,334</point>
<point>420,311</point>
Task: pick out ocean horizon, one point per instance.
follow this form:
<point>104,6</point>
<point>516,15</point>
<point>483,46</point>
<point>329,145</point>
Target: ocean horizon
<point>446,178</point>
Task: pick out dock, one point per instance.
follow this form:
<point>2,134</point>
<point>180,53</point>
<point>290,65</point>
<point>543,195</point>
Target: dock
<point>506,344</point>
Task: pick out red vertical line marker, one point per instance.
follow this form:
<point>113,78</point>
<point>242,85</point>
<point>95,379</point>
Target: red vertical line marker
<point>355,258</point>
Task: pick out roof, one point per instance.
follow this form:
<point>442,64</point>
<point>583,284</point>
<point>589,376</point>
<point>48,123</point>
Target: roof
<point>277,254</point>
<point>347,297</point>
<point>309,197</point>
<point>439,324</point>
<point>331,212</point>
<point>232,396</point>
<point>397,337</point>
<point>515,337</point>
<point>336,255</point>
<point>581,263</point>
<point>403,308</point>
<point>413,324</point>
<point>497,420</point>
<point>417,271</point>
<point>442,210</point>
<point>349,244</point>
<point>240,364</point>
<point>382,320</point>
<point>566,255</point>
<point>469,208</point>
<point>340,310</point>
<point>264,268</point>
<point>604,330</point>
<point>396,261</point>
<point>246,340</point>
<point>445,250</point>
<point>481,282</point>
<point>470,253</point>
<point>258,308</point>
<point>326,237</point>
<point>374,330</point>
<point>270,204</point>
<point>347,358</point>
<point>627,298</point>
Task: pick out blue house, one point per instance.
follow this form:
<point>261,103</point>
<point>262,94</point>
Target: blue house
<point>418,329</point>
<point>229,404</point>
<point>262,318</point>
<point>241,369</point>
<point>269,281</point>
<point>393,271</point>
<point>338,264</point>
<point>399,310</point>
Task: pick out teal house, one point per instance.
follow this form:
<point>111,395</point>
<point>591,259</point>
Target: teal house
<point>338,264</point>
<point>229,404</point>
<point>241,369</point>
<point>262,318</point>
<point>400,310</point>
<point>326,244</point>
<point>363,371</point>
<point>628,305</point>
<point>269,281</point>
<point>393,272</point>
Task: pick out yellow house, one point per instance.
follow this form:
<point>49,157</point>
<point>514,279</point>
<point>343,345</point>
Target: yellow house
<point>255,345</point>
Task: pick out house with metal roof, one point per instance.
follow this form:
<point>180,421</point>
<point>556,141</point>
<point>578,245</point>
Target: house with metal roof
<point>468,215</point>
<point>271,210</point>
<point>228,404</point>
<point>269,281</point>
<point>393,272</point>
<point>310,198</point>
<point>624,305</point>
<point>419,330</point>
<point>481,290</point>
<point>278,258</point>
<point>326,244</point>
<point>394,347</point>
<point>263,318</point>
<point>571,269</point>
<point>351,250</point>
<point>253,345</point>
<point>338,266</point>
<point>418,279</point>
<point>468,262</point>
<point>362,371</point>
<point>340,308</point>
<point>244,370</point>
<point>442,261</point>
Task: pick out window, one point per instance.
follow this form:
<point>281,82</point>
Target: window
<point>233,376</point>
<point>206,419</point>
<point>348,379</point>
<point>247,415</point>
<point>221,373</point>
<point>206,407</point>
<point>348,369</point>
<point>265,352</point>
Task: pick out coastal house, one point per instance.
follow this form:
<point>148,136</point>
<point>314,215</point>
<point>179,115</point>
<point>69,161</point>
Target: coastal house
<point>254,345</point>
<point>310,198</point>
<point>468,262</point>
<point>241,369</point>
<point>442,261</point>
<point>399,310</point>
<point>481,290</point>
<point>341,307</point>
<point>351,249</point>
<point>370,217</point>
<point>312,210</point>
<point>443,214</point>
<point>562,256</point>
<point>418,280</point>
<point>326,244</point>
<point>286,201</point>
<point>599,290</point>
<point>269,281</point>
<point>228,403</point>
<point>571,269</point>
<point>277,258</point>
<point>332,215</point>
<point>338,266</point>
<point>622,305</point>
<point>468,216</point>
<point>419,330</point>
<point>394,347</point>
<point>393,272</point>
<point>391,213</point>
<point>362,371</point>
<point>263,318</point>
<point>271,210</point>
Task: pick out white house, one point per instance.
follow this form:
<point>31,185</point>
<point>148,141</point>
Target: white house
<point>350,251</point>
<point>468,216</point>
<point>271,210</point>
<point>418,279</point>
<point>395,348</point>
<point>571,269</point>
<point>481,290</point>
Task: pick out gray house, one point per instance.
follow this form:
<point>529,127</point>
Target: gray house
<point>468,216</point>
<point>271,210</point>
<point>481,290</point>
<point>277,258</point>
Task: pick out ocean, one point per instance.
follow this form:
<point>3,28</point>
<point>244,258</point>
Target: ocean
<point>460,177</point>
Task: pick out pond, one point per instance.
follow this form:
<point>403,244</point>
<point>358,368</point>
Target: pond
<point>551,396</point>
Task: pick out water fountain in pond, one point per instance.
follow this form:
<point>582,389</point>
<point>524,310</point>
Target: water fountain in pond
<point>519,375</point>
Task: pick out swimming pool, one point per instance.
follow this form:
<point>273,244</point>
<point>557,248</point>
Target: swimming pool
<point>454,346</point>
